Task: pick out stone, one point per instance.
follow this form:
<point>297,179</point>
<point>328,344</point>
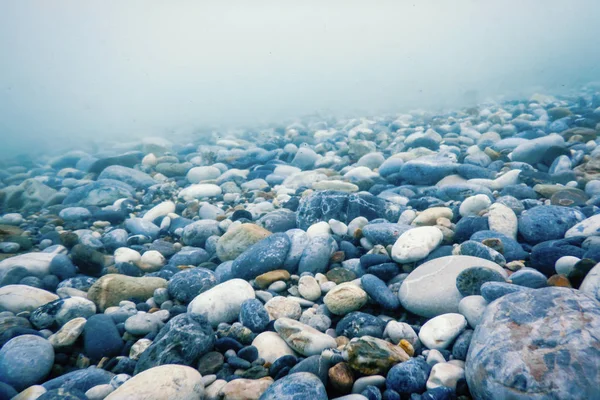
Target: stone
<point>80,380</point>
<point>545,335</point>
<point>151,261</point>
<point>199,174</point>
<point>591,283</point>
<point>430,290</point>
<point>35,263</point>
<point>544,223</point>
<point>371,356</point>
<point>237,240</point>
<point>379,292</point>
<point>503,219</point>
<point>469,281</point>
<point>345,298</point>
<point>303,338</point>
<point>472,307</point>
<point>245,389</point>
<point>183,340</point>
<point>267,255</point>
<point>222,303</point>
<point>398,331</point>
<point>101,337</point>
<point>265,280</point>
<point>130,176</point>
<point>529,277</point>
<point>210,363</point>
<point>300,385</point>
<point>408,377</point>
<point>494,290</point>
<point>341,377</point>
<point>271,346</point>
<point>588,227</point>
<point>143,323</point>
<point>416,244</point>
<point>429,216</point>
<point>474,205</point>
<point>315,257</point>
<point>480,250</point>
<point>384,233</point>
<point>19,298</point>
<point>68,334</point>
<point>440,331</point>
<point>196,233</point>
<point>199,191</point>
<point>25,360</point>
<point>184,286</point>
<point>99,193</point>
<point>446,375</point>
<point>309,288</point>
<point>283,307</point>
<point>111,289</point>
<point>357,324</point>
<point>254,316</point>
<point>165,382</point>
<point>160,210</point>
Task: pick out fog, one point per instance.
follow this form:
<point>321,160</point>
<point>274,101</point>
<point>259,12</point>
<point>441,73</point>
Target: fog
<point>72,71</point>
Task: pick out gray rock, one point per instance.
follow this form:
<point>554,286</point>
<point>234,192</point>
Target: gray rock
<point>25,361</point>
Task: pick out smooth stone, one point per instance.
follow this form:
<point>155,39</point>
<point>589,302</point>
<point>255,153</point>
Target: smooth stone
<point>384,233</point>
<point>429,216</point>
<point>206,173</point>
<point>237,240</point>
<point>31,393</point>
<point>101,337</point>
<point>446,375</point>
<point>222,303</point>
<point>565,264</point>
<point>469,281</point>
<point>282,307</point>
<point>130,176</point>
<point>372,356</point>
<point>298,242</point>
<point>430,290</point>
<point>591,283</point>
<point>374,380</point>
<point>143,323</point>
<point>472,307</point>
<point>25,360</point>
<point>196,233</point>
<point>267,255</point>
<point>379,292</point>
<point>265,280</point>
<point>341,377</point>
<point>512,249</point>
<point>111,289</point>
<point>397,331</point>
<point>99,193</point>
<point>183,340</point>
<point>474,205</point>
<point>357,324</point>
<point>81,379</point>
<point>588,227</point>
<point>303,338</point>
<point>480,250</point>
<point>544,223</point>
<point>440,331</point>
<point>68,334</point>
<point>271,346</point>
<point>254,316</point>
<point>245,389</point>
<point>315,257</point>
<point>408,377</point>
<point>198,191</point>
<point>309,288</point>
<point>299,385</point>
<point>159,210</point>
<point>19,298</point>
<point>503,219</point>
<point>530,278</point>
<point>36,263</point>
<point>345,298</point>
<point>187,284</point>
<point>165,382</point>
<point>416,244</point>
<point>546,335</point>
<point>140,226</point>
<point>494,290</point>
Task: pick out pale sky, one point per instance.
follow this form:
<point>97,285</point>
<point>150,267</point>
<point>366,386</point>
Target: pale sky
<point>79,69</point>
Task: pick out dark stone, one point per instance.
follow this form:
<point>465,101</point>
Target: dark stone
<point>88,260</point>
<point>461,345</point>
<point>512,249</point>
<point>530,278</point>
<point>408,377</point>
<point>467,226</point>
<point>316,255</point>
<point>357,324</point>
<point>210,363</point>
<point>544,255</point>
<point>101,337</point>
<point>494,290</point>
<point>284,362</point>
<point>469,281</point>
<point>62,267</point>
<point>379,292</point>
<point>82,380</point>
<point>477,249</point>
<point>267,255</point>
<point>187,284</point>
<point>63,394</point>
<point>183,340</point>
<point>254,316</point>
<point>248,353</point>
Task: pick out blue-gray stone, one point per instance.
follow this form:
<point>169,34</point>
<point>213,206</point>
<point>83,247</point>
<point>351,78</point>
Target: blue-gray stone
<point>408,377</point>
<point>88,260</point>
<point>189,256</point>
<point>223,271</point>
<point>248,353</point>
<point>25,360</point>
<point>316,255</point>
<point>7,391</point>
<point>82,379</point>
<point>461,345</point>
<point>544,255</point>
<point>114,239</point>
<point>99,193</point>
<point>470,171</point>
<point>278,220</point>
<point>267,255</point>
<point>357,324</point>
<point>254,316</point>
<point>79,282</point>
<point>63,394</point>
<point>74,214</point>
<point>470,280</point>
<point>494,290</point>
<point>460,191</point>
<point>62,267</point>
<point>316,365</point>
<point>371,207</point>
<point>101,338</point>
<point>390,166</point>
<point>379,292</point>
<point>296,386</point>
<point>183,340</point>
<point>133,177</point>
<point>467,226</point>
<point>512,249</point>
<point>427,170</point>
<point>139,226</point>
<point>372,393</point>
<point>385,233</point>
<point>126,160</point>
<point>530,278</point>
<point>476,249</point>
<point>537,344</point>
<point>187,284</point>
<point>369,260</point>
<point>544,223</point>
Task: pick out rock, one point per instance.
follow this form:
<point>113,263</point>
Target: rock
<point>429,216</point>
<point>80,380</point>
<point>309,288</point>
<point>469,281</point>
<point>588,227</point>
<point>99,193</point>
<point>341,377</point>
<point>300,385</point>
<point>68,334</point>
<point>283,307</point>
<point>237,240</point>
<point>398,331</point>
<point>210,363</point>
<point>159,210</point>
<point>591,283</point>
<point>36,264</point>
<point>19,298</point>
<point>345,298</point>
<point>357,324</point>
<point>316,255</point>
<point>199,174</point>
<point>408,377</point>
<point>544,334</point>
<point>379,292</point>
<point>61,311</point>
<point>267,255</point>
<point>130,176</point>
<point>503,220</point>
<point>25,360</point>
<point>298,242</point>
<point>265,280</point>
<point>183,340</point>
<point>480,250</point>
<point>165,382</point>
<point>196,233</point>
<point>101,337</point>
<point>472,307</point>
<point>474,205</point>
<point>544,223</point>
<point>151,261</point>
<point>111,289</point>
<point>245,389</point>
<point>271,346</point>
<point>384,233</point>
<point>371,356</point>
<point>143,323</point>
<point>303,338</point>
<point>494,290</point>
<point>416,244</point>
<point>222,303</point>
<point>189,283</point>
<point>430,290</point>
<point>440,331</point>
<point>529,277</point>
<point>446,375</point>
<point>88,260</point>
<point>200,191</point>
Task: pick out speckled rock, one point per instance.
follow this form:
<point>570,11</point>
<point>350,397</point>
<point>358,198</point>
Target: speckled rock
<point>111,289</point>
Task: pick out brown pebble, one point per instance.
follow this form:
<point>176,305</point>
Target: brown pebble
<point>153,310</point>
<point>494,243</point>
<point>338,256</point>
<point>407,347</point>
<point>341,377</point>
<point>264,280</point>
<point>358,233</point>
<point>559,280</point>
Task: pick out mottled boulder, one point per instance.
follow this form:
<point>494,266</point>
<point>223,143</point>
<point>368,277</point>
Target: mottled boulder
<point>540,344</point>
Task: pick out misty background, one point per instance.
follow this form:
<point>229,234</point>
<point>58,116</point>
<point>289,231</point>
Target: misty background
<point>73,71</point>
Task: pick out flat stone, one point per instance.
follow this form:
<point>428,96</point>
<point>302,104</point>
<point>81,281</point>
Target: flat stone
<point>303,338</point>
<point>19,298</point>
<point>111,289</point>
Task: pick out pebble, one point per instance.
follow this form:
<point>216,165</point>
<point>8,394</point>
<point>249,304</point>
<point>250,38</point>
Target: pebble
<point>345,298</point>
<point>271,346</point>
<point>440,331</point>
<point>416,244</point>
<point>222,303</point>
<point>25,360</point>
<point>20,298</point>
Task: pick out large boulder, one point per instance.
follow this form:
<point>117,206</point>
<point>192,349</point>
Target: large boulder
<point>537,344</point>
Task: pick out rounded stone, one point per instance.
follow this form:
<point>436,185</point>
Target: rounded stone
<point>25,360</point>
<point>416,244</point>
<point>222,303</point>
<point>408,377</point>
<point>469,281</point>
<point>237,240</point>
<point>345,298</point>
<point>300,385</point>
<point>271,346</point>
<point>440,331</point>
<point>253,315</point>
